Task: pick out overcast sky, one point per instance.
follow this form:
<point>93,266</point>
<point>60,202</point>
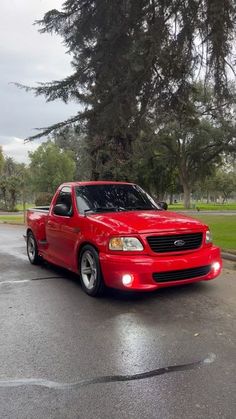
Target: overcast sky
<point>28,57</point>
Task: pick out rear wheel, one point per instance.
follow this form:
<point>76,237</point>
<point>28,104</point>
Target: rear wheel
<point>32,249</point>
<point>90,272</point>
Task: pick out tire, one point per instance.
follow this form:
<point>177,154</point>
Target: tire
<point>32,249</point>
<point>90,272</point>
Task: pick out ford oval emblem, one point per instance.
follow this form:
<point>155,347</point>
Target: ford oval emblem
<point>179,243</point>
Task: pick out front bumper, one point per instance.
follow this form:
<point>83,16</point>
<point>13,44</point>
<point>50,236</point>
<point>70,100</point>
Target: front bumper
<point>142,268</point>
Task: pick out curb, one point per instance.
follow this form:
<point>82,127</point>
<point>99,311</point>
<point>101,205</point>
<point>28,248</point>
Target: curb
<point>228,256</point>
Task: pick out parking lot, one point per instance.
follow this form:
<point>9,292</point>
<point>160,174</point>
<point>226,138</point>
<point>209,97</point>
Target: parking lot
<point>167,354</point>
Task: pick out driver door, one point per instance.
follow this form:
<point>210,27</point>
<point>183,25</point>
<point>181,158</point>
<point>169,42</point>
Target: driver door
<point>61,231</point>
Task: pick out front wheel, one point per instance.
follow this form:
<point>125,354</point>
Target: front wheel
<point>32,249</point>
<point>90,272</point>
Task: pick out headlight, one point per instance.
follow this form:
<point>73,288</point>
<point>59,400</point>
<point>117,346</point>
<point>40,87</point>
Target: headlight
<point>208,237</point>
<point>125,243</point>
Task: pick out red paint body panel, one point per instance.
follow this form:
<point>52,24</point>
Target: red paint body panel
<point>60,238</point>
<point>142,268</point>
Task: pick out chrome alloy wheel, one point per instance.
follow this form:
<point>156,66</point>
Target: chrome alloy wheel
<point>88,270</point>
<point>31,248</point>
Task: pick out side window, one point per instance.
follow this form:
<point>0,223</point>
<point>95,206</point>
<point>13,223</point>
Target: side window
<point>83,203</point>
<point>65,198</point>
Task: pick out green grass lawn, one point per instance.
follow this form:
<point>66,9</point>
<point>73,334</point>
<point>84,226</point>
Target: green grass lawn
<point>12,219</point>
<point>223,228</point>
<point>206,207</point>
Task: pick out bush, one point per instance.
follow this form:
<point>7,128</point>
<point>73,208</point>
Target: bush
<point>43,199</point>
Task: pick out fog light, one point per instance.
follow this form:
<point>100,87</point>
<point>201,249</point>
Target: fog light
<point>127,280</point>
<point>216,266</point>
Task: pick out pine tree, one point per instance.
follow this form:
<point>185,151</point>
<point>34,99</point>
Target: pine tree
<point>133,56</point>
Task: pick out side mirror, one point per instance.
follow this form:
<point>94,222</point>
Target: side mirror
<point>61,209</point>
<point>163,205</point>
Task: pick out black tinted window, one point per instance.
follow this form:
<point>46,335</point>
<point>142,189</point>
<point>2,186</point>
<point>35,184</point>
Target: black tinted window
<point>114,197</point>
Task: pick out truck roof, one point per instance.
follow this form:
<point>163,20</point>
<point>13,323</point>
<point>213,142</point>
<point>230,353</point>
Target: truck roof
<point>97,182</point>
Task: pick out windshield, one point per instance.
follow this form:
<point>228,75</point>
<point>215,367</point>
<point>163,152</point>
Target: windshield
<point>113,197</point>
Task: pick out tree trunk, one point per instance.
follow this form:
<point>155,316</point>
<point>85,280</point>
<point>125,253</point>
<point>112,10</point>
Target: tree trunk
<point>186,183</point>
<point>187,195</point>
<point>5,199</point>
<point>12,200</point>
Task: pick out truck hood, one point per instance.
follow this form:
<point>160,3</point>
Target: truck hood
<point>146,222</point>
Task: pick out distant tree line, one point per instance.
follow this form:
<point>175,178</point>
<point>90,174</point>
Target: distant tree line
<point>65,158</point>
<point>13,181</point>
<point>49,167</point>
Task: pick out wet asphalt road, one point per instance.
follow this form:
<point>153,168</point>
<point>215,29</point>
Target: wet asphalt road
<point>54,334</point>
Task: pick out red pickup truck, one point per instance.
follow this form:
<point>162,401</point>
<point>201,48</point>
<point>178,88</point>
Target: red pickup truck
<point>114,234</point>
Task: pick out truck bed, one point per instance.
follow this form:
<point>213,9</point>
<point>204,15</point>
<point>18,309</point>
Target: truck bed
<point>39,209</point>
<point>36,221</point>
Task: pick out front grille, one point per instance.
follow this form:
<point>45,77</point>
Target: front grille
<point>164,244</point>
<point>181,274</point>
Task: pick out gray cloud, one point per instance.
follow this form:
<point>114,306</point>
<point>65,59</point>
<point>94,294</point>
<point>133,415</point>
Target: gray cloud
<point>17,148</point>
<point>28,57</point>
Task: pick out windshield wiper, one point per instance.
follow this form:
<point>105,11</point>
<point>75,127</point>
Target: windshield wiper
<point>122,209</point>
<point>141,208</point>
<point>104,209</point>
